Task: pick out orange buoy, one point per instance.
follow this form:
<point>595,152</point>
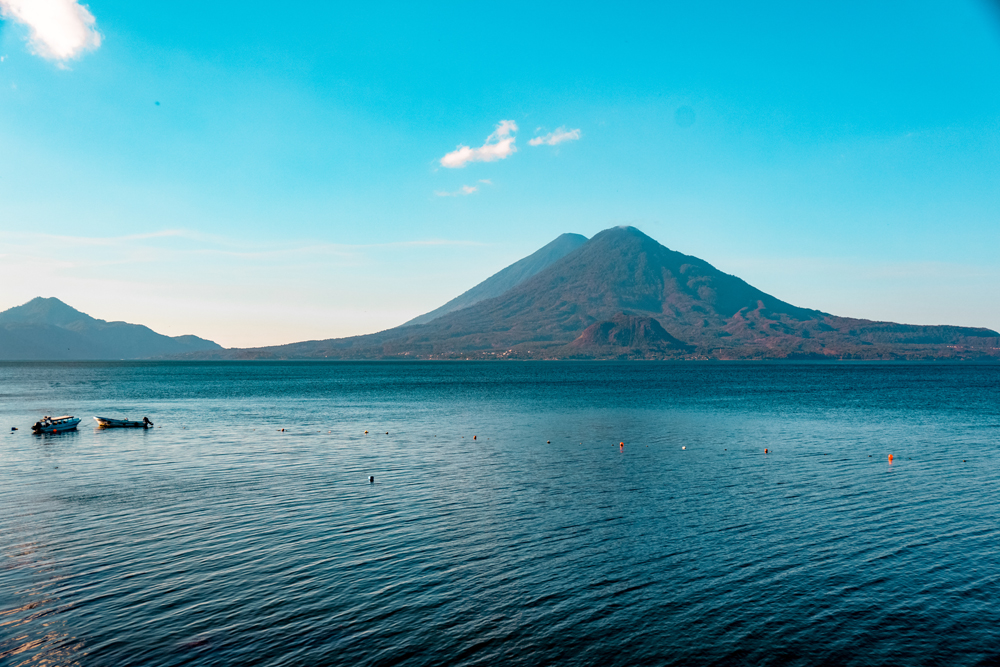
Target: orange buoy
<point>474,437</point>
<point>765,450</point>
<point>890,458</point>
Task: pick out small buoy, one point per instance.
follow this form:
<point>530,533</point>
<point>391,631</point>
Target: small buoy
<point>765,450</point>
<point>366,432</point>
<point>548,442</point>
<point>371,479</point>
<point>890,458</point>
<point>473,437</point>
<point>684,447</point>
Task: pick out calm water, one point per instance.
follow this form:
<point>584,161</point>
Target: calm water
<point>217,539</point>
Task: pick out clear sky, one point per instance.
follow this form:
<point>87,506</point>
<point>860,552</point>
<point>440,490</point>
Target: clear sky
<point>257,173</point>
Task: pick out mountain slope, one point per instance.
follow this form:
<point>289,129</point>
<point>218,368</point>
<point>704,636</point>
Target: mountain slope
<point>620,275</point>
<point>49,330</point>
<point>512,276</point>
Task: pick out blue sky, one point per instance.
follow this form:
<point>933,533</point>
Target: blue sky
<point>290,182</point>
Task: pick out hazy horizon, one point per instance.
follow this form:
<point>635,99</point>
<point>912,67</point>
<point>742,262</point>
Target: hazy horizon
<point>259,177</point>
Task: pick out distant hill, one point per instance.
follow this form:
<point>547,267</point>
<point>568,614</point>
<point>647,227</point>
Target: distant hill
<point>623,295</point>
<point>512,276</point>
<point>49,330</point>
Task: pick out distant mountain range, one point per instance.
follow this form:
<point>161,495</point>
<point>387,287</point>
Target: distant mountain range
<point>49,330</point>
<point>622,295</point>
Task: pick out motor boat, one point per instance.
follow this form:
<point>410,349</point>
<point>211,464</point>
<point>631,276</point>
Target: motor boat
<point>55,424</point>
<point>106,422</point>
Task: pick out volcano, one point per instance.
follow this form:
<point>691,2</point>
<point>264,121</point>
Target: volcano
<point>624,295</point>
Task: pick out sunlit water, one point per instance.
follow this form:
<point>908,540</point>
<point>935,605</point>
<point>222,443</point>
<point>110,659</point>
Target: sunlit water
<point>215,538</point>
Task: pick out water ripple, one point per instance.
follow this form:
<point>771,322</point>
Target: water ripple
<point>218,539</point>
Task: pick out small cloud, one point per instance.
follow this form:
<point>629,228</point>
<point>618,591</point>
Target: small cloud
<point>485,181</point>
<point>60,29</point>
<point>498,146</point>
<point>557,137</point>
<point>461,192</point>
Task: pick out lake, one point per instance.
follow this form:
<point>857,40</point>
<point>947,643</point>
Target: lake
<point>506,522</point>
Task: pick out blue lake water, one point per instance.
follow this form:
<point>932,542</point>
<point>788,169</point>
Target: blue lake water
<point>215,538</point>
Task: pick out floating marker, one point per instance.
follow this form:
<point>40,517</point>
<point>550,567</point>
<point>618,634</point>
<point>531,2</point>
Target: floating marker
<point>684,447</point>
<point>371,479</point>
<point>890,458</point>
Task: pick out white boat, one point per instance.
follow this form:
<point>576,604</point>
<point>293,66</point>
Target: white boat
<point>107,422</point>
<point>55,424</point>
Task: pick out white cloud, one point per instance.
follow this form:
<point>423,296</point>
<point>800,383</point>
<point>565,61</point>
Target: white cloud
<point>498,145</point>
<point>60,29</point>
<point>557,137</point>
<point>461,192</point>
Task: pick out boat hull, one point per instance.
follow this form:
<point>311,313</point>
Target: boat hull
<point>105,422</point>
<point>60,427</point>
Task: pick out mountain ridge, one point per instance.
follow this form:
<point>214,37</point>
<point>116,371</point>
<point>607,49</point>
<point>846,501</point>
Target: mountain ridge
<point>622,273</point>
<point>46,329</point>
<point>507,278</point>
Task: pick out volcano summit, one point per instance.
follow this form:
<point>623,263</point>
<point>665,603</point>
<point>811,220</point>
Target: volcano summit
<point>622,295</point>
